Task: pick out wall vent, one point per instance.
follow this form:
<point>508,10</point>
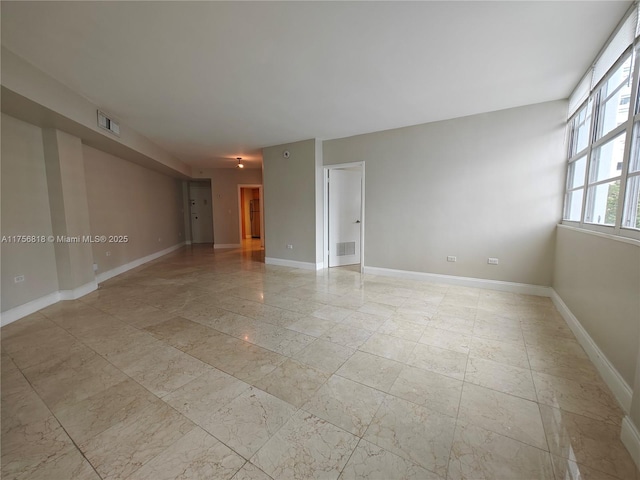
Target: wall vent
<point>345,248</point>
<point>108,124</point>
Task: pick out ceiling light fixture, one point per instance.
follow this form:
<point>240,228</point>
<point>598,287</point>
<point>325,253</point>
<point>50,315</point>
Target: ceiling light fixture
<point>240,164</point>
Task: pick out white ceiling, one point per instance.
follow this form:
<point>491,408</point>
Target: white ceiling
<point>210,81</point>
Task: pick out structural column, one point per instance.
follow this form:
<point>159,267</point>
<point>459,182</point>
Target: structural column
<point>69,212</point>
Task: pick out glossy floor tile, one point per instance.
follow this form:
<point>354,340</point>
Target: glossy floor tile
<point>211,364</point>
<point>346,404</point>
<point>480,454</point>
<point>306,447</point>
<point>416,433</point>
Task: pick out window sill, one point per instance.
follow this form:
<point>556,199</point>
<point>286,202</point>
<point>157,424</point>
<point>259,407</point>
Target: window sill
<point>617,238</point>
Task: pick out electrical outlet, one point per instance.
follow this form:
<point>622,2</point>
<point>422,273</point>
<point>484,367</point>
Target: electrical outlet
<point>290,247</point>
<point>451,258</point>
<point>19,279</point>
<point>492,261</point>
<point>108,254</point>
<point>95,267</point>
<point>159,239</point>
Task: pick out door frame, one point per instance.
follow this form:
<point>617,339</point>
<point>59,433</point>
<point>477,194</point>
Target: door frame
<point>240,219</point>
<point>327,169</point>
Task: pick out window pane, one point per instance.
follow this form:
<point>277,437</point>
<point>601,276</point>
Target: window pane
<point>631,215</point>
<point>634,161</point>
<point>580,127</point>
<point>575,175</point>
<point>602,203</point>
<point>606,160</point>
<point>573,205</point>
<point>615,110</point>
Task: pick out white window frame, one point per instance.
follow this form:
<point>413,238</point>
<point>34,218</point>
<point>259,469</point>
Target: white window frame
<point>625,128</point>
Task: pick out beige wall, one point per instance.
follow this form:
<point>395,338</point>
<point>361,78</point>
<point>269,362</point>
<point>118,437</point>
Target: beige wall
<point>25,211</point>
<point>599,280</point>
<point>634,411</point>
<point>488,185</point>
<point>224,189</point>
<point>290,201</point>
<point>127,199</point>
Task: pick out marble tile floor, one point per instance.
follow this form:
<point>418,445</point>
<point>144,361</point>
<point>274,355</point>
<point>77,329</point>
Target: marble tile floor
<point>206,365</point>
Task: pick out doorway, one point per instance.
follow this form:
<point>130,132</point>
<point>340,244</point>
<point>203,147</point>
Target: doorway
<point>201,212</point>
<point>344,215</point>
<point>251,213</point>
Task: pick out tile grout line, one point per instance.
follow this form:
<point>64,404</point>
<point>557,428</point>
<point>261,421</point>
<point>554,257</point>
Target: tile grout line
<point>386,395</point>
<point>57,420</point>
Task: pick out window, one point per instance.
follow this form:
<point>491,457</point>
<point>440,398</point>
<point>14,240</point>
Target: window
<point>631,210</point>
<point>575,189</point>
<point>632,203</point>
<point>604,182</point>
<point>580,127</point>
<point>612,109</point>
<point>603,170</point>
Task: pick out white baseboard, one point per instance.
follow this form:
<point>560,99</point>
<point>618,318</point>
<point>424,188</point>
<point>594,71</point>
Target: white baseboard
<point>631,439</point>
<point>620,388</point>
<point>33,306</point>
<point>28,308</point>
<point>512,287</point>
<point>78,292</point>
<point>101,277</point>
<point>226,245</point>
<point>292,263</point>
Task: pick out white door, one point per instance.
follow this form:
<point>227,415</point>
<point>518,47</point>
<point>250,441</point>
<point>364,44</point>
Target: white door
<point>345,209</point>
